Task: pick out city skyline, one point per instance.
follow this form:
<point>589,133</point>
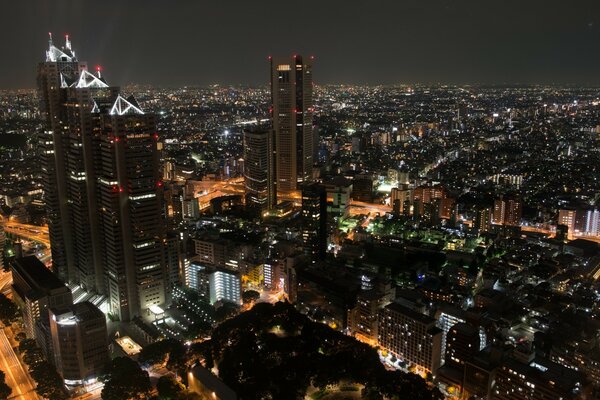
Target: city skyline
<point>432,42</point>
<point>285,238</point>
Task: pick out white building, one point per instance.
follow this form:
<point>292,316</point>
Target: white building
<point>225,285</point>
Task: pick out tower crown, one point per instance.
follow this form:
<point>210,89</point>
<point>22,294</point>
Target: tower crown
<point>65,53</point>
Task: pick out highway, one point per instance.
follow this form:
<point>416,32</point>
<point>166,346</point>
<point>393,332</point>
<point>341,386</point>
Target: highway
<point>31,232</point>
<point>16,375</point>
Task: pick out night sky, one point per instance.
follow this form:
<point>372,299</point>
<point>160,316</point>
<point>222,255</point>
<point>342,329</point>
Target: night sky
<point>198,42</point>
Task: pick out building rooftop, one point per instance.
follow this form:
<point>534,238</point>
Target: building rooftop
<point>36,274</point>
<point>417,316</point>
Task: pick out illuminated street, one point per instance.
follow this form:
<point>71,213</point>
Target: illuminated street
<point>16,375</point>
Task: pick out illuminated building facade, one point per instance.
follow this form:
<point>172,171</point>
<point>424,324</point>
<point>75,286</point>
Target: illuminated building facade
<point>538,379</point>
<point>292,118</point>
<point>225,286</point>
<point>258,170</point>
<point>79,342</point>
<point>61,64</point>
<point>314,221</point>
<point>104,190</point>
<point>507,211</point>
<point>411,336</point>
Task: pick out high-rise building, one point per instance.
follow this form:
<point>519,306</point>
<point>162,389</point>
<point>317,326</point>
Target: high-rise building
<point>400,199</point>
<point>61,66</point>
<point>314,221</point>
<point>130,196</point>
<point>292,118</point>
<point>411,336</point>
<point>104,191</point>
<point>258,170</point>
<point>225,285</point>
<point>507,211</point>
<point>462,343</point>
<point>580,221</point>
<point>79,342</point>
<point>483,219</point>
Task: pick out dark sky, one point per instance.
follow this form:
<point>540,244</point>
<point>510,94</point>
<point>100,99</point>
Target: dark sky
<point>198,42</point>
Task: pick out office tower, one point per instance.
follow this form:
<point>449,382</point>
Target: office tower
<point>105,195</point>
<point>258,170</point>
<point>314,221</point>
<point>35,289</point>
<point>411,336</point>
<point>225,285</point>
<point>507,211</point>
<point>130,196</point>
<point>61,65</point>
<point>292,118</point>
<point>79,342</point>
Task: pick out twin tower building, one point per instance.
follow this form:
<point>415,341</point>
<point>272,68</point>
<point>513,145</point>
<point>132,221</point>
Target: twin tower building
<point>100,156</point>
<point>103,188</point>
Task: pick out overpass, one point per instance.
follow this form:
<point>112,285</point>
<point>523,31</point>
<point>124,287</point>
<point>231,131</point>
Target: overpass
<point>34,233</point>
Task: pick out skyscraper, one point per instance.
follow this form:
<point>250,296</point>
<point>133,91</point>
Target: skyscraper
<point>130,195</point>
<point>258,170</point>
<point>292,117</point>
<point>314,221</point>
<point>103,188</point>
<point>61,65</point>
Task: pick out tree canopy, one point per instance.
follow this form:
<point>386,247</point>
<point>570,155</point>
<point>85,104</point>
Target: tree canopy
<point>124,379</point>
<point>5,390</point>
<point>273,351</point>
<point>9,312</point>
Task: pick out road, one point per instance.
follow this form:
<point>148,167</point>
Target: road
<point>5,282</point>
<point>17,376</point>
<point>31,232</point>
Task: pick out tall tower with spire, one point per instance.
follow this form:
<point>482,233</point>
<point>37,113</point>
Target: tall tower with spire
<point>103,193</point>
<point>61,65</point>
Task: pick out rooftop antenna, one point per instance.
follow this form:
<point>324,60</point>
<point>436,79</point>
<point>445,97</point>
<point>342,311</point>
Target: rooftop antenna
<point>67,42</point>
<point>49,39</point>
<point>98,69</point>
